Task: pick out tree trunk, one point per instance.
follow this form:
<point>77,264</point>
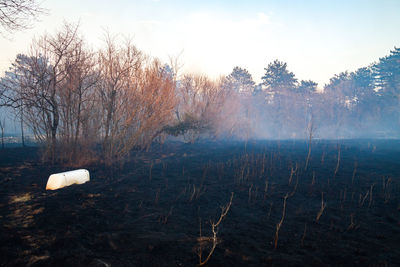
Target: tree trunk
<point>78,125</point>
<point>54,127</point>
<point>2,134</point>
<point>22,127</point>
<point>107,142</point>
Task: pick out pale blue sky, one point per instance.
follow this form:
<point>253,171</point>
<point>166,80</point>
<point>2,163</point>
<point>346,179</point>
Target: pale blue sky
<point>316,38</point>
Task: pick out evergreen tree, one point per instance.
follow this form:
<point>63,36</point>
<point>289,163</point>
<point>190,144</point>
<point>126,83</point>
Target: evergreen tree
<point>363,86</point>
<point>307,87</point>
<point>277,77</point>
<point>338,82</point>
<point>387,74</point>
<point>387,80</point>
<point>240,80</point>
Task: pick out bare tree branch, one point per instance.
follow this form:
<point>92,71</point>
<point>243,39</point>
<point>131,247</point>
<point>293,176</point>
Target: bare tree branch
<point>18,15</point>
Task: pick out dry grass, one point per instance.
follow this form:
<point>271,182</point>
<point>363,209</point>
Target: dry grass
<point>20,198</point>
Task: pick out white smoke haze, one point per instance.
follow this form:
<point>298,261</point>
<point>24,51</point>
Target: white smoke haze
<point>353,105</point>
<point>64,92</point>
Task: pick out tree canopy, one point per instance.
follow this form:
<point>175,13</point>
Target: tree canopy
<point>278,77</point>
<point>240,80</point>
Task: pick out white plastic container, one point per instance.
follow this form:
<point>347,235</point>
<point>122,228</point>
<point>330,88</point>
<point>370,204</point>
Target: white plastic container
<point>60,180</point>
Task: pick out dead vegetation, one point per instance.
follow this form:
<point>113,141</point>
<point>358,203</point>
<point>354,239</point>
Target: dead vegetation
<point>279,224</point>
<point>323,206</point>
<point>214,230</point>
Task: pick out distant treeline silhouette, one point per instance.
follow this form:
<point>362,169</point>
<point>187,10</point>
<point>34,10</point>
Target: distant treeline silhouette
<point>85,105</point>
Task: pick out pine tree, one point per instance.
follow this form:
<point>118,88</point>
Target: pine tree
<point>240,80</point>
<point>277,77</point>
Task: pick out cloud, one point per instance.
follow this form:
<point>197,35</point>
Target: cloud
<point>263,19</point>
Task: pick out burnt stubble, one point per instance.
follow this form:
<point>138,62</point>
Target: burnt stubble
<point>158,208</point>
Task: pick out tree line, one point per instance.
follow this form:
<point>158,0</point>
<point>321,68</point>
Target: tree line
<point>86,105</point>
<point>359,104</point>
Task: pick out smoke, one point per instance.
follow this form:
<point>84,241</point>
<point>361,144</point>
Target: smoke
<point>293,115</point>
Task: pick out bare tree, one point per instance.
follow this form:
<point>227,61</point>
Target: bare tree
<point>176,64</point>
<point>117,64</point>
<point>77,100</point>
<point>239,113</point>
<point>137,96</point>
<point>200,105</point>
<point>18,14</point>
<point>19,115</point>
<point>36,81</point>
<point>73,100</point>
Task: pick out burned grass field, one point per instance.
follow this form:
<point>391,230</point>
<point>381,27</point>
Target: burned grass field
<point>217,203</point>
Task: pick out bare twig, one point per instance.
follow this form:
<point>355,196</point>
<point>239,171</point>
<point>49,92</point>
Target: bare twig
<point>157,197</point>
<point>370,195</point>
<point>292,171</point>
<point>310,136</point>
<point>279,225</point>
<point>354,172</point>
<point>313,178</point>
<point>323,157</point>
<point>295,186</point>
<point>386,189</point>
<point>323,205</point>
<point>338,161</point>
<point>352,224</point>
<point>250,192</point>
<point>214,229</point>
<point>19,14</point>
<point>304,235</point>
<point>266,187</point>
<point>164,218</point>
<point>362,199</point>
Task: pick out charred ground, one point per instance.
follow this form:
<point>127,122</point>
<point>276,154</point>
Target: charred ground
<point>149,211</point>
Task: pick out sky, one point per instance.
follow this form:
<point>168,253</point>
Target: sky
<point>317,39</point>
